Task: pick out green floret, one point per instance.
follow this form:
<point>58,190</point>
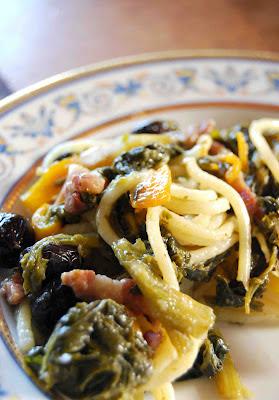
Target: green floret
<point>95,353</point>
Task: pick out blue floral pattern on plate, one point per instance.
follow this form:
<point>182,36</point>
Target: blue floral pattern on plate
<point>231,79</point>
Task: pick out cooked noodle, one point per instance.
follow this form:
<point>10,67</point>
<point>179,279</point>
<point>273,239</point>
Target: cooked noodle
<point>256,131</point>
<point>202,207</point>
<point>158,246</point>
<point>244,226</point>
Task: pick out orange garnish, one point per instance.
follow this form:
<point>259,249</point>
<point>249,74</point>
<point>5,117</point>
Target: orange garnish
<point>243,150</point>
<point>154,190</point>
<point>234,177</point>
<point>47,186</point>
<point>234,171</point>
<point>44,224</point>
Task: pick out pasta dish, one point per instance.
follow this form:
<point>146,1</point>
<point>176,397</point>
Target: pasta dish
<point>133,248</point>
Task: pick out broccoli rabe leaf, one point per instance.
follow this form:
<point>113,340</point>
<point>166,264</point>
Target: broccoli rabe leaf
<point>270,222</point>
<point>34,265</point>
<point>213,165</point>
<point>63,215</point>
<point>179,256</point>
<point>210,358</point>
<point>232,293</point>
<point>258,284</point>
<point>269,204</point>
<point>182,258</point>
<point>34,358</point>
<point>270,226</point>
<point>94,352</point>
<point>229,293</point>
<point>228,138</point>
<point>173,308</point>
<point>129,224</point>
<point>203,272</point>
<point>145,157</point>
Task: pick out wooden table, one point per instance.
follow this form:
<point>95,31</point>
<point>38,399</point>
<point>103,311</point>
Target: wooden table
<point>39,38</point>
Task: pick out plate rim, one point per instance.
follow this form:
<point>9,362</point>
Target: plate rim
<point>20,96</point>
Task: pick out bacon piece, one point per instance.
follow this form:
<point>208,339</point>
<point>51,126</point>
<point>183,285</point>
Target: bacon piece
<point>89,286</point>
<point>80,180</point>
<point>153,338</point>
<point>74,204</point>
<point>89,182</point>
<point>248,197</point>
<point>193,132</point>
<point>12,289</point>
<point>216,148</point>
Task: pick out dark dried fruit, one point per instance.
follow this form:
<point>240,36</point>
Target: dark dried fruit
<point>156,127</point>
<point>15,235</point>
<point>50,304</point>
<point>103,261</point>
<point>108,172</point>
<point>63,156</point>
<point>61,258</point>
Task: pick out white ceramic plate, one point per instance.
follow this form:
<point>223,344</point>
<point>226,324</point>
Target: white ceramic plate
<point>112,98</point>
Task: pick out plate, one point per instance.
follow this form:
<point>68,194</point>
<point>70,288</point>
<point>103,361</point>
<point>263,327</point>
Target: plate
<point>109,99</point>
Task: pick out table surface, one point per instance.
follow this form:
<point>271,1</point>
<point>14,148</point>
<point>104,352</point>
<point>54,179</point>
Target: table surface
<point>42,38</point>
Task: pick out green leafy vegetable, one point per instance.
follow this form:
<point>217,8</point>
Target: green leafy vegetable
<point>204,272</point>
<point>145,157</point>
<point>34,265</point>
<point>34,358</point>
<point>269,204</point>
<point>232,293</point>
<point>179,256</point>
<point>229,293</point>
<point>94,352</point>
<point>210,358</point>
<point>213,165</point>
<point>270,222</point>
<point>228,138</point>
<point>258,261</point>
<point>173,308</point>
<point>270,226</point>
<point>258,283</point>
<point>261,181</point>
<point>123,217</point>
<point>63,215</point>
<point>197,273</point>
